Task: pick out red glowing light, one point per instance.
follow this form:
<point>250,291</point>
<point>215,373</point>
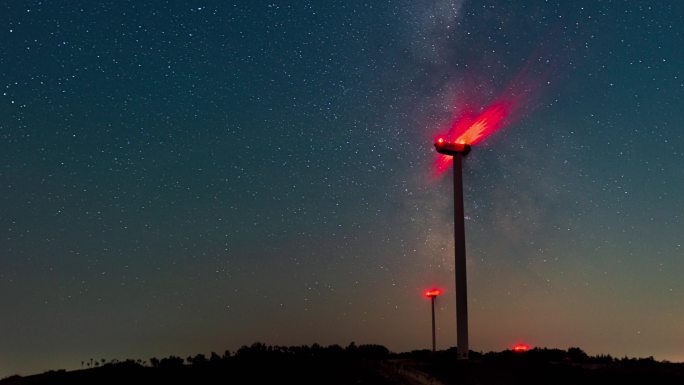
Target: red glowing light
<point>521,348</point>
<point>470,128</point>
<point>473,129</point>
<point>433,293</point>
<point>442,163</point>
<point>475,120</point>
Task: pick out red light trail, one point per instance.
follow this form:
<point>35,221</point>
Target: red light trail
<point>471,125</point>
<point>470,128</point>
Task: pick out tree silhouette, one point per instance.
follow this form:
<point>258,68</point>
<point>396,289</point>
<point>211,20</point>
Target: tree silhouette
<point>577,355</point>
<point>367,364</point>
<point>154,361</point>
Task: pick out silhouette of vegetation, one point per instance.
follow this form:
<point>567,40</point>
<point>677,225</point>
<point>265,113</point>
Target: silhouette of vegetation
<point>367,364</point>
<point>542,366</point>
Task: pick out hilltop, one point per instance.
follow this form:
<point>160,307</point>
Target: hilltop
<point>369,364</point>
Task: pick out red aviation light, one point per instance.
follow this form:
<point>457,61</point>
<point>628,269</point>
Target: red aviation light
<point>451,148</point>
<point>433,293</point>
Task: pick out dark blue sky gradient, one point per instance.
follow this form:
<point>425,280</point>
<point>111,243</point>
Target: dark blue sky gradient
<point>181,177</point>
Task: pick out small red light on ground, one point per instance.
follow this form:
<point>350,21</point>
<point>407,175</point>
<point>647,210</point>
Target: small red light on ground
<point>433,293</point>
<point>521,348</point>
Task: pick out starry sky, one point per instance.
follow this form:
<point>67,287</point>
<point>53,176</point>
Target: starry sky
<point>180,177</point>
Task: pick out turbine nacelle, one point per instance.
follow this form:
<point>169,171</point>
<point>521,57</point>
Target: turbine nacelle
<point>451,148</point>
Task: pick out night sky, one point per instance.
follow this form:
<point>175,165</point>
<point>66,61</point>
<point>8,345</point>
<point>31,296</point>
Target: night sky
<point>181,177</point>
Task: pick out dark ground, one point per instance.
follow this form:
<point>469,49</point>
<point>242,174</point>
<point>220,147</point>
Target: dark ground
<point>370,364</point>
<point>543,366</point>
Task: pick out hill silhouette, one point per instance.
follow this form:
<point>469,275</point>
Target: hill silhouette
<point>368,364</point>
